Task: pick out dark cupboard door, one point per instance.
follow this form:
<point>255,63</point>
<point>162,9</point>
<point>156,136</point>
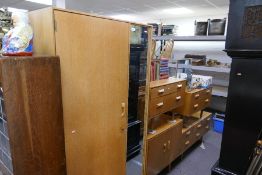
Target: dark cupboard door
<point>243,114</point>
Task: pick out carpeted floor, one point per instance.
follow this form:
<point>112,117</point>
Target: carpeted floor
<point>196,161</point>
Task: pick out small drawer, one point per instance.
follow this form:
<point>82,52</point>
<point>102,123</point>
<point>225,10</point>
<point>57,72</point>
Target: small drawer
<point>159,91</point>
<point>206,93</point>
<point>156,106</point>
<point>173,101</point>
<point>195,107</point>
<point>206,102</point>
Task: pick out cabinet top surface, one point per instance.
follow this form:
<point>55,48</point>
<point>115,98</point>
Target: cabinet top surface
<point>170,80</point>
<point>197,114</point>
<point>90,14</point>
<point>164,128</point>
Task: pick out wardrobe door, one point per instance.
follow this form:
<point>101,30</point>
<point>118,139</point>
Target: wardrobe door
<point>94,55</point>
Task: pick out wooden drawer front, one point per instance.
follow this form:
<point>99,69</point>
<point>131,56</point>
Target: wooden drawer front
<point>206,125</point>
<point>195,107</point>
<point>176,141</point>
<point>168,89</point>
<point>187,139</point>
<point>173,101</point>
<point>206,93</point>
<point>158,155</point>
<point>159,91</point>
<point>177,87</point>
<point>156,106</point>
<point>206,102</point>
<point>199,131</point>
<point>196,97</point>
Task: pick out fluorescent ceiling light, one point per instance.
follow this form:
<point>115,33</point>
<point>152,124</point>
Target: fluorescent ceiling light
<point>13,10</point>
<point>178,11</point>
<point>45,2</point>
<point>124,17</point>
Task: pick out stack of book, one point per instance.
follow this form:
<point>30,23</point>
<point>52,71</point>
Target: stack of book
<point>159,69</point>
<point>164,70</point>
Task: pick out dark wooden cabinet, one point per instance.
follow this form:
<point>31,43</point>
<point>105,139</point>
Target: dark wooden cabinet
<point>32,110</point>
<point>243,121</point>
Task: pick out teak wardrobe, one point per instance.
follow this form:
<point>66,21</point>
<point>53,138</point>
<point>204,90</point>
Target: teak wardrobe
<point>94,53</point>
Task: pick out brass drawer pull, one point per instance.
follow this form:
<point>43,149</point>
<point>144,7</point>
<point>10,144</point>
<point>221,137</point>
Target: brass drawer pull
<point>207,127</point>
<point>208,91</point>
<point>208,119</point>
<point>161,91</point>
<point>188,133</point>
<point>160,104</point>
<point>187,143</point>
<point>178,98</point>
<point>198,134</point>
<point>164,147</point>
<point>199,126</point>
<point>196,106</point>
<point>197,96</point>
<point>207,100</point>
<point>179,86</point>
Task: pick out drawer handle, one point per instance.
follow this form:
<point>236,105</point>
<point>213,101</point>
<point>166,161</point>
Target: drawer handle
<point>164,147</point>
<point>161,91</point>
<point>178,98</point>
<point>208,91</point>
<point>207,127</point>
<point>199,126</point>
<point>160,104</point>
<point>168,144</point>
<point>208,119</point>
<point>198,134</point>
<point>179,86</point>
<point>197,95</point>
<point>196,106</point>
<point>188,133</point>
<point>187,143</point>
<point>207,100</point>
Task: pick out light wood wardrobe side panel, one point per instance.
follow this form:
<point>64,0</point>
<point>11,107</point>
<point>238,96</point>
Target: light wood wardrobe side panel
<point>42,22</point>
<point>94,56</point>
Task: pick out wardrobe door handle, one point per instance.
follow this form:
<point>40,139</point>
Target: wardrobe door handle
<point>168,144</point>
<point>196,106</point>
<point>164,147</point>
<point>123,106</point>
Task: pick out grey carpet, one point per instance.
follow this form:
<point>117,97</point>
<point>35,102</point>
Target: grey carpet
<point>196,161</point>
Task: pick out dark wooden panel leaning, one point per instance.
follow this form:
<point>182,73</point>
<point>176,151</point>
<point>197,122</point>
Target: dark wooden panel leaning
<point>33,103</point>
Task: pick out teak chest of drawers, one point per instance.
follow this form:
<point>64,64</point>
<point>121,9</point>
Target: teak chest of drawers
<point>166,95</point>
<point>195,100</point>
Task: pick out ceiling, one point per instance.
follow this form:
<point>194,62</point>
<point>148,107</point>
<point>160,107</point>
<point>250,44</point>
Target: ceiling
<point>140,10</point>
